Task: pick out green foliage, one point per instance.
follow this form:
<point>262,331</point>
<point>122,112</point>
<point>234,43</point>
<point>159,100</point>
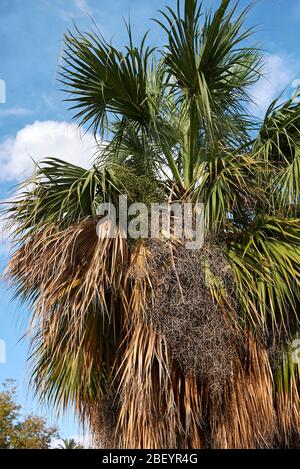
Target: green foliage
<point>278,143</point>
<point>265,259</point>
<point>16,432</point>
<point>62,193</point>
<point>70,444</point>
<point>104,80</point>
<point>204,72</point>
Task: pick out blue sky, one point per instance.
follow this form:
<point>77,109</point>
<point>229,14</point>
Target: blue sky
<point>35,122</point>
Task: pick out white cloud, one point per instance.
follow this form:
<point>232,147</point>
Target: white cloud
<point>40,140</point>
<point>278,75</point>
<point>15,111</point>
<point>83,6</point>
<point>35,142</point>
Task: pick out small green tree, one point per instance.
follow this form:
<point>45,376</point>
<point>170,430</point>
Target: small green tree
<point>70,443</point>
<point>17,432</point>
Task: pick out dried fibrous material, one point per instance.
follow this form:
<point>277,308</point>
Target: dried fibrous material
<point>71,267</point>
<point>103,421</point>
<point>199,329</point>
<point>159,406</point>
<point>244,415</point>
<point>139,287</point>
<point>74,279</point>
<point>187,362</point>
<point>288,411</point>
<point>161,326</point>
<point>274,349</point>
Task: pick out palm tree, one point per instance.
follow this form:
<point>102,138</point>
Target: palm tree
<point>69,444</point>
<point>156,345</point>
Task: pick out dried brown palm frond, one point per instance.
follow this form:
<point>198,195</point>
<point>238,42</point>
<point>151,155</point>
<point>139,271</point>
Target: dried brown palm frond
<point>288,411</point>
<point>159,406</point>
<point>260,396</point>
<point>139,286</point>
<point>74,279</point>
<point>173,356</point>
<point>61,264</point>
<point>243,416</point>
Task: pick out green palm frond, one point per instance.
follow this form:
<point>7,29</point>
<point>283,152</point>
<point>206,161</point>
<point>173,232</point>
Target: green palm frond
<point>278,138</point>
<point>286,185</point>
<point>69,444</point>
<point>211,67</point>
<point>103,80</point>
<point>62,193</point>
<point>227,186</point>
<point>287,382</point>
<point>132,149</point>
<point>288,371</point>
<point>278,143</point>
<point>265,260</point>
<point>58,192</point>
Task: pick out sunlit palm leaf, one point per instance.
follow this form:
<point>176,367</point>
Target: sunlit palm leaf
<point>265,260</point>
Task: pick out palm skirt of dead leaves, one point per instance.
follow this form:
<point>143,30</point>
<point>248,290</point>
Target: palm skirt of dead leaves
<point>145,341</point>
